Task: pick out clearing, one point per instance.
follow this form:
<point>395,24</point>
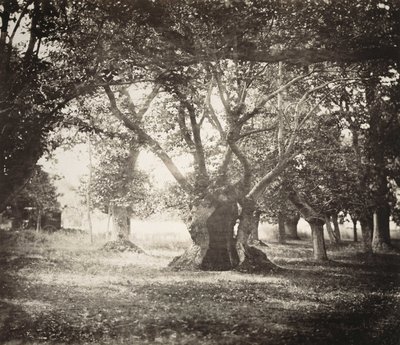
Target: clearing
<point>59,289</point>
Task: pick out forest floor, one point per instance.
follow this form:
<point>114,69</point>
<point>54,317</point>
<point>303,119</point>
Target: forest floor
<point>59,289</point>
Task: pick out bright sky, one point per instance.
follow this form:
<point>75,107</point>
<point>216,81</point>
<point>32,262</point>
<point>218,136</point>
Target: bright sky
<point>71,165</point>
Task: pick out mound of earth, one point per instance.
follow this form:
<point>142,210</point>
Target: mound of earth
<point>123,246</point>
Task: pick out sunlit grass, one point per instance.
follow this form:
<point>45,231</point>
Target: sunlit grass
<point>59,288</point>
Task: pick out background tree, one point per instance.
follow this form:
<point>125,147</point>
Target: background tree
<point>38,196</point>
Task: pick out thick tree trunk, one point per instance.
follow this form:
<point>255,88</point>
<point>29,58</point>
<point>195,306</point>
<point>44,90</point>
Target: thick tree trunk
<point>214,247</point>
<point>211,229</point>
<point>291,227</point>
<point>120,234</point>
<point>366,231</point>
<point>120,223</point>
<point>319,250</point>
<point>336,228</point>
<point>381,233</point>
<point>251,259</point>
<point>281,228</point>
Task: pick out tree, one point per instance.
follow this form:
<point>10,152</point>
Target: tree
<point>193,56</point>
<point>38,194</point>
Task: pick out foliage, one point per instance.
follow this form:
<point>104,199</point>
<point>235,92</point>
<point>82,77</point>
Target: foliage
<point>39,193</point>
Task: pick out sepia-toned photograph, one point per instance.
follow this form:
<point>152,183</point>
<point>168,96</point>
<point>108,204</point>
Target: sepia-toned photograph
<point>200,172</point>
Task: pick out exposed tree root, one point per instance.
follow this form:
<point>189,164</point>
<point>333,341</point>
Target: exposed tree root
<point>258,243</point>
<point>384,248</point>
<point>191,259</point>
<point>256,261</point>
<point>123,246</point>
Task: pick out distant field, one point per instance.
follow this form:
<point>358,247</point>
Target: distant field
<point>174,234</point>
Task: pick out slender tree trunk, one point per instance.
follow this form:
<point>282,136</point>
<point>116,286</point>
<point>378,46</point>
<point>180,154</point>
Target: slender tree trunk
<point>291,227</point>
<point>377,156</point>
<point>17,217</point>
<point>336,228</point>
<point>354,220</point>
<point>38,220</point>
<point>109,214</point>
<point>366,231</point>
<point>331,233</point>
<point>319,250</point>
<point>314,218</point>
<point>281,228</point>
<point>254,238</point>
<point>381,233</point>
<point>88,193</point>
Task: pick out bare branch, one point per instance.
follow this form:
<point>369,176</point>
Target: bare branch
<point>223,93</point>
<point>183,128</point>
<point>145,138</point>
<point>246,134</point>
<point>267,98</point>
<point>303,206</point>
<point>213,117</point>
<point>259,188</point>
<point>231,139</point>
<point>143,109</point>
<point>223,169</point>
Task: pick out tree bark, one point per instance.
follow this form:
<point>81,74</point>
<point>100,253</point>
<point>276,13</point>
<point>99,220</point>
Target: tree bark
<point>120,223</point>
<point>88,192</point>
<point>38,220</point>
<point>381,233</point>
<point>121,230</point>
<point>251,259</point>
<point>336,228</point>
<point>317,230</point>
<point>291,227</point>
<point>214,247</point>
<point>331,233</point>
<point>109,215</point>
<point>211,229</point>
<point>281,228</point>
<point>355,238</point>
<point>366,231</point>
<point>254,231</point>
<point>316,222</point>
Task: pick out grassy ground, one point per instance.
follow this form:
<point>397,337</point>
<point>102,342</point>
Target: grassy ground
<point>58,289</point>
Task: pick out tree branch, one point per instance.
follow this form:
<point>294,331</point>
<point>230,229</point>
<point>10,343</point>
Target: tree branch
<point>267,129</point>
<point>18,23</point>
<point>259,188</point>
<point>231,139</point>
<point>267,98</point>
<point>148,140</point>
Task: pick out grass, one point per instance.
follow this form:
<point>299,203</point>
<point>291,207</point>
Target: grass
<point>59,289</point>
